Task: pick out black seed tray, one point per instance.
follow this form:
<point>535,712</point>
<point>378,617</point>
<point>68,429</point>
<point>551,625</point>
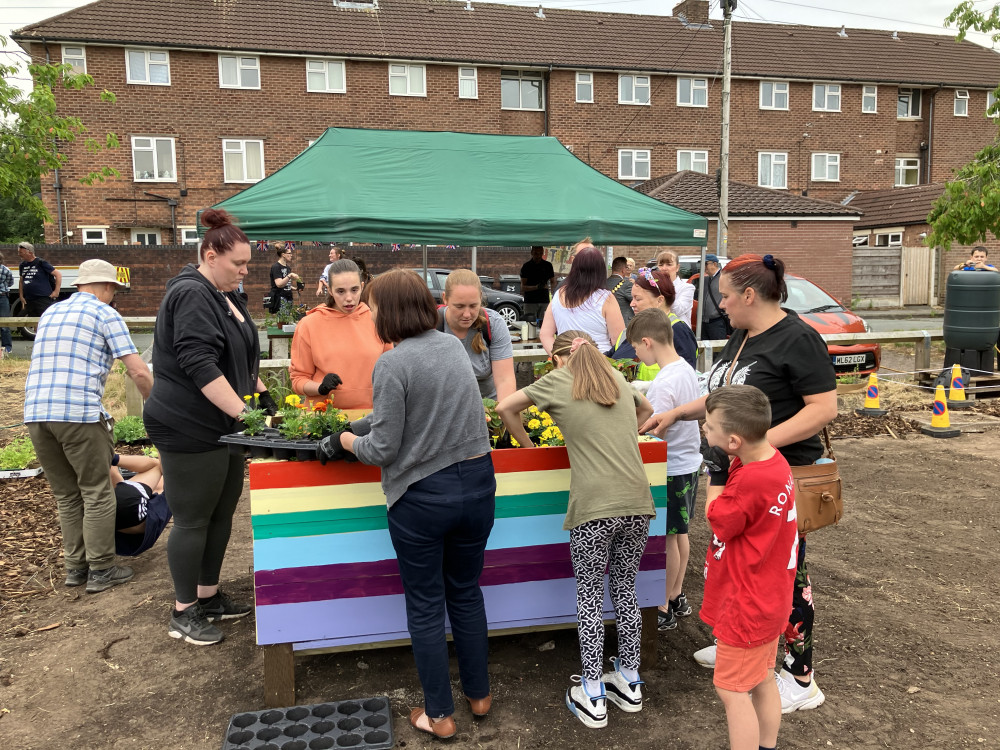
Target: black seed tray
<point>365,723</point>
<point>269,443</point>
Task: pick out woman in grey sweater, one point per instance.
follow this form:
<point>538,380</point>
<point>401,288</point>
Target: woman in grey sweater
<point>428,434</point>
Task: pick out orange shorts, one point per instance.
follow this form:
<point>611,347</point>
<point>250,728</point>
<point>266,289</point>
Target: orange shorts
<point>742,669</point>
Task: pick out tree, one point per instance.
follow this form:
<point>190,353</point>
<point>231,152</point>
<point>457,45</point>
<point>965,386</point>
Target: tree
<point>969,208</point>
<point>30,140</point>
<point>18,225</point>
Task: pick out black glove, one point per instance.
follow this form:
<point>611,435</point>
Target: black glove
<point>717,462</point>
<point>330,381</point>
<point>330,449</point>
<point>265,402</point>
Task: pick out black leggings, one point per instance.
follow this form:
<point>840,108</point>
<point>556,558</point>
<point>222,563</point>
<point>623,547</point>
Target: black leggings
<point>204,489</point>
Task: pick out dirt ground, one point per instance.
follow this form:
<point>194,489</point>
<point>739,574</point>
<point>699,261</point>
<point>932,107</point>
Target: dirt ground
<point>906,633</point>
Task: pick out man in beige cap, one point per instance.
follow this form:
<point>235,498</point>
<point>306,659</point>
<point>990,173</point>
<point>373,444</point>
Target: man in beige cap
<point>40,281</point>
<point>77,342</point>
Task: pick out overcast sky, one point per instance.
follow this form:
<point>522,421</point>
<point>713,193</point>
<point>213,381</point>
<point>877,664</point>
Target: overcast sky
<point>926,16</point>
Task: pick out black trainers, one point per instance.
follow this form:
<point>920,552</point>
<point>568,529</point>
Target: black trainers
<point>221,607</point>
<point>192,626</point>
<point>666,620</point>
<point>682,608</point>
<point>102,580</point>
<point>75,577</point>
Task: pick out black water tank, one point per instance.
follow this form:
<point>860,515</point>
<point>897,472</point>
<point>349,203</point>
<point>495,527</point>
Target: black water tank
<point>972,310</point>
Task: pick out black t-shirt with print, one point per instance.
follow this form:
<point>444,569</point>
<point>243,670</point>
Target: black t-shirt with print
<point>787,361</point>
<point>281,271</point>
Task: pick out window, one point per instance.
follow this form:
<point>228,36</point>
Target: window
<point>145,236</point>
<point>94,235</point>
<point>774,94</point>
<point>961,103</point>
<point>147,66</point>
<point>325,76</point>
<point>692,92</point>
<point>188,235</point>
<point>585,87</point>
<point>772,169</point>
<point>243,161</point>
<point>77,58</point>
<point>991,99</point>
<point>633,89</point>
<point>907,172</point>
<point>826,97</point>
<point>407,80</point>
<point>153,159</point>
<point>696,161</point>
<point>238,72</point>
<point>869,99</point>
<point>826,167</point>
<point>521,89</point>
<point>633,164</point>
<point>860,240</point>
<point>908,103</point>
<point>889,239</point>
<point>468,83</point>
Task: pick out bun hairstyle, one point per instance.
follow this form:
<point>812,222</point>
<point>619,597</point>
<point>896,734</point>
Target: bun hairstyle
<point>764,274</point>
<point>465,277</point>
<point>657,283</point>
<point>222,234</point>
<point>593,378</point>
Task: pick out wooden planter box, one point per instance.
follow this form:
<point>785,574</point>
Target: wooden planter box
<point>326,577</point>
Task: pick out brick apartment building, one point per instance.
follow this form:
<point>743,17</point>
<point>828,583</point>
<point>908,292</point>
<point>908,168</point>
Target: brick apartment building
<point>213,96</point>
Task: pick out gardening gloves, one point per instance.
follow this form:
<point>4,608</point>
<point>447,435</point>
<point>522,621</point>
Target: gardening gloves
<point>330,381</point>
<point>267,403</point>
<point>717,463</point>
<point>330,449</point>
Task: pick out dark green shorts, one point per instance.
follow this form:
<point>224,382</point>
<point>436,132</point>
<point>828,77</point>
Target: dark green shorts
<point>681,493</point>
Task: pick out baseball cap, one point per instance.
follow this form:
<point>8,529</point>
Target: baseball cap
<point>97,271</point>
<point>27,246</point>
<point>711,258</point>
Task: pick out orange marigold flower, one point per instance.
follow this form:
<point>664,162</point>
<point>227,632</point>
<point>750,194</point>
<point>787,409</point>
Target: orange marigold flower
<point>320,406</point>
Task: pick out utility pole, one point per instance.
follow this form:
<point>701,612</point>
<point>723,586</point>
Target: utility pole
<point>727,73</point>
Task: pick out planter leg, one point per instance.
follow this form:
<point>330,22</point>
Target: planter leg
<point>647,646</point>
<point>279,675</point>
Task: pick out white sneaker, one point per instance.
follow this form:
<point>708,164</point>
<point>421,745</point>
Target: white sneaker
<point>592,711</point>
<point>794,697</point>
<point>624,694</point>
<point>706,657</point>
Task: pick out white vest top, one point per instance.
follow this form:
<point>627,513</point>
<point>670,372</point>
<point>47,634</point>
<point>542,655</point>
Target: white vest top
<point>587,317</point>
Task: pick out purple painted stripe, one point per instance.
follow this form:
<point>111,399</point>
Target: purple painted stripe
<point>383,618</point>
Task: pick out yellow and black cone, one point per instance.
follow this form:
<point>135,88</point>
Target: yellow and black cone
<point>940,423</point>
<point>956,393</point>
<point>872,407</point>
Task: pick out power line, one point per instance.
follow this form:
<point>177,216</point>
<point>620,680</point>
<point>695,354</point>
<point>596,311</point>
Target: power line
<point>851,13</point>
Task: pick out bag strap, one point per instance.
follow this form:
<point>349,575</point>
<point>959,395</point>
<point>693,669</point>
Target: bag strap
<point>826,443</point>
<point>732,364</point>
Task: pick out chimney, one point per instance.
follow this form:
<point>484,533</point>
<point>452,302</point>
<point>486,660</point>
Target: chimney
<point>692,11</point>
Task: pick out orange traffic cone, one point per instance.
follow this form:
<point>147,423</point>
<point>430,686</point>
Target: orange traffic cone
<point>940,423</point>
<point>871,407</point>
<point>956,393</point>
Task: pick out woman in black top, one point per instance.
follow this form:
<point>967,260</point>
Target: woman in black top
<point>773,349</point>
<point>205,356</point>
<point>283,279</point>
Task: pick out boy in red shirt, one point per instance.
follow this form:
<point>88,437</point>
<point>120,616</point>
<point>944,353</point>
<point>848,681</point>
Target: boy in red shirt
<point>750,565</point>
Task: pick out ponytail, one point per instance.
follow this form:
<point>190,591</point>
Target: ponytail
<point>593,378</point>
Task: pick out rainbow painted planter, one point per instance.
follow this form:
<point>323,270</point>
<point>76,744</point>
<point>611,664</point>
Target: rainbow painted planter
<point>325,573</point>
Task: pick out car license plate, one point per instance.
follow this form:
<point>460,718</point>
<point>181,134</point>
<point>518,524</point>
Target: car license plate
<point>850,359</point>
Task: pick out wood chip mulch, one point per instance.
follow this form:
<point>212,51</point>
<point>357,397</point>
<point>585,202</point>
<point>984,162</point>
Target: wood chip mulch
<point>30,540</point>
<point>860,426</point>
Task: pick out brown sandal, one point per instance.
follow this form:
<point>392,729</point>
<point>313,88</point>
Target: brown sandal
<point>442,728</point>
<point>480,706</point>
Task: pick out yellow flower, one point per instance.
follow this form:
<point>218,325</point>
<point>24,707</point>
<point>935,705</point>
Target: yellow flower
<point>533,409</point>
<point>292,399</point>
<point>515,443</point>
<point>546,421</point>
<point>547,434</point>
<point>534,424</point>
<point>247,399</point>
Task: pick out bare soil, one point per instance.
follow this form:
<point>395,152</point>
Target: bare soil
<point>906,631</point>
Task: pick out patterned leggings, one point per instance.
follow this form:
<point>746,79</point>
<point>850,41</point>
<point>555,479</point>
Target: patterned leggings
<point>799,631</point>
<point>592,546</point>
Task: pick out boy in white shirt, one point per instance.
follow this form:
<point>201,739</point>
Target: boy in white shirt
<point>676,383</point>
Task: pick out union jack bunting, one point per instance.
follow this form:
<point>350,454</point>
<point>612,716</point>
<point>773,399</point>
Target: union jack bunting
<point>395,247</point>
<point>262,246</point>
<point>289,245</point>
<point>451,247</point>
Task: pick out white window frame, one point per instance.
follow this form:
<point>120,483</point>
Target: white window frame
<point>889,239</point>
<point>909,115</point>
<point>507,74</point>
<point>776,157</point>
<point>869,92</point>
<point>637,82</point>
<point>188,232</point>
<point>242,150</point>
<point>101,231</point>
<point>327,88</point>
<point>828,161</point>
<point>241,65</point>
<point>464,77</point>
<point>638,156</point>
<point>581,81</point>
<point>129,78</point>
<point>694,156</point>
<point>775,93</point>
<point>697,84</point>
<point>156,166</point>
<point>860,239</point>
<point>829,93</point>
<point>82,57</point>
<point>961,98</point>
<point>136,231</point>
<point>405,75</point>
<point>903,166</point>
<point>990,101</point>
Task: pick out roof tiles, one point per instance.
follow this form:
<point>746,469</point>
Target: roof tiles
<point>896,207</point>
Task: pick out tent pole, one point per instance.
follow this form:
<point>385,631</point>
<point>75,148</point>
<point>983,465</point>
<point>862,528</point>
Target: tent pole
<point>423,251</point>
<point>474,249</point>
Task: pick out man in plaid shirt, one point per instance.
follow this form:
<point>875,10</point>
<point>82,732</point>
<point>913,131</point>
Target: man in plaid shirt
<point>6,282</point>
<point>78,341</point>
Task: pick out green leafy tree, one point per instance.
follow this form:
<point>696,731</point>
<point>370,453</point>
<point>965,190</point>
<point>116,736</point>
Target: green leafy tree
<point>16,224</point>
<point>30,141</point>
<point>969,208</point>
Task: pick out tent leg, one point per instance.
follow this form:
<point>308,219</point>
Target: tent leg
<point>423,251</point>
<point>474,249</point>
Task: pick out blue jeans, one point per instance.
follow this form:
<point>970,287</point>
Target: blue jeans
<point>439,529</point>
<point>5,340</point>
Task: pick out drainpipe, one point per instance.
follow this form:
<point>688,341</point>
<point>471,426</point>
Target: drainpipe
<point>57,184</point>
<point>548,84</point>
<point>930,137</point>
<point>172,202</point>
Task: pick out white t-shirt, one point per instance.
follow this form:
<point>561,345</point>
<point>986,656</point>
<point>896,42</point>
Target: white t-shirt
<point>683,300</point>
<point>674,385</point>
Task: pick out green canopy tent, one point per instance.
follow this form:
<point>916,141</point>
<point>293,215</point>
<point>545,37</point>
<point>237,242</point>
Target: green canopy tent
<point>433,188</point>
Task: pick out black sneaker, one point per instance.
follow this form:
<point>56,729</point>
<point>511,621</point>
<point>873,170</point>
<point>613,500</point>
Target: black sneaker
<point>666,620</point>
<point>192,626</point>
<point>221,607</point>
<point>75,577</point>
<point>102,580</point>
<point>682,608</point>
